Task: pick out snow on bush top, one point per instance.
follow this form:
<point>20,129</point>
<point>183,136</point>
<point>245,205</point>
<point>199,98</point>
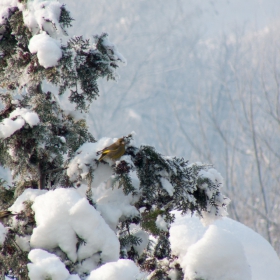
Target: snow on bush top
<point>225,250</point>
<point>217,248</point>
<point>16,121</point>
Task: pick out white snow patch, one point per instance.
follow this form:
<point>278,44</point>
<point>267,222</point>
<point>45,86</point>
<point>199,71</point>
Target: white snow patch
<point>23,242</point>
<point>167,186</point>
<point>122,269</point>
<point>29,116</point>
<point>84,160</point>
<point>113,204</point>
<point>9,127</point>
<point>62,139</point>
<point>135,230</point>
<point>161,223</point>
<point>3,232</point>
<point>48,49</point>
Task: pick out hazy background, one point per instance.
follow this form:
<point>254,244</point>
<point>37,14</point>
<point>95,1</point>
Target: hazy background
<point>202,82</point>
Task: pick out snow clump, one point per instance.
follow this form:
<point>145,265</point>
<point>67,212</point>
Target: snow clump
<point>17,120</point>
<point>47,266</point>
<point>48,49</point>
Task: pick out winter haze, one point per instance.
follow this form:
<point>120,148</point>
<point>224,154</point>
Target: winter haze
<point>202,82</point>
<point>198,80</point>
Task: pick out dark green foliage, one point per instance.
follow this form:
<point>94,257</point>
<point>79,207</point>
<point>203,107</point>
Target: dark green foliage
<point>123,179</point>
<point>6,195</point>
<point>65,18</point>
<point>80,242</point>
<point>152,168</point>
<point>78,70</point>
<point>81,66</point>
<point>40,149</point>
<point>193,191</point>
<point>162,248</point>
<point>128,239</point>
<point>13,259</point>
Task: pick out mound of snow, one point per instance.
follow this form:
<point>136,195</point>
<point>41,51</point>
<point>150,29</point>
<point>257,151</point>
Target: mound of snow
<point>219,250</point>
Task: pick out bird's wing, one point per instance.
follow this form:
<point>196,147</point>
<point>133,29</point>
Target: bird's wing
<point>106,151</point>
<point>110,148</point>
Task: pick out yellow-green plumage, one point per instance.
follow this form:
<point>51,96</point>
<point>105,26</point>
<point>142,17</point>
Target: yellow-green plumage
<point>114,151</point>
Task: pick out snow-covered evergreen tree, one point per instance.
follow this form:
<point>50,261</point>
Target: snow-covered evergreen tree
<point>71,215</point>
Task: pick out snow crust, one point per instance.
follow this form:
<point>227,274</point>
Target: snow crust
<point>46,265</point>
<point>122,269</point>
<point>47,48</point>
<point>224,250</point>
<point>17,120</point>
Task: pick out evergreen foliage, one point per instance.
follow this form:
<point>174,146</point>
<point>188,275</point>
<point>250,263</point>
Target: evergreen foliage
<point>39,153</point>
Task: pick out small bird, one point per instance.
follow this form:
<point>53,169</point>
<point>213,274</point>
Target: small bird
<point>114,151</point>
<point>5,214</point>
